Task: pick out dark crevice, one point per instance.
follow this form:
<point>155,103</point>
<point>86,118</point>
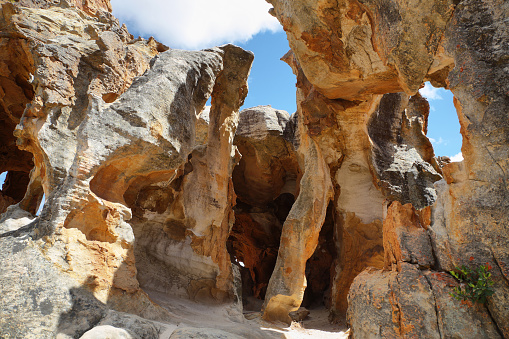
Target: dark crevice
<point>436,263</point>
<point>499,331</point>
<point>318,266</point>
<point>253,245</point>
<point>499,266</point>
<point>435,303</point>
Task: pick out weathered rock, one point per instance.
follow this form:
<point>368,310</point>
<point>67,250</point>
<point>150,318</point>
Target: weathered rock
<point>106,148</point>
<point>413,304</point>
<point>357,202</point>
<point>464,320</point>
<point>405,239</point>
<point>299,236</point>
<point>123,325</point>
<point>300,314</point>
<point>13,219</point>
<point>43,80</point>
<point>370,305</point>
<point>266,183</point>
<point>268,167</point>
<point>470,218</point>
<point>38,299</point>
<point>107,332</point>
<point>210,217</point>
<point>91,7</point>
<point>91,201</point>
<point>352,49</point>
<point>402,154</point>
<point>356,50</point>
<point>140,181</point>
<point>202,333</point>
<point>202,126</point>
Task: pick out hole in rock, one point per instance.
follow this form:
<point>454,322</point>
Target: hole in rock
<point>110,97</point>
<point>443,124</point>
<point>2,179</point>
<point>254,243</point>
<point>318,266</point>
<point>41,205</point>
<point>14,185</point>
<point>165,261</point>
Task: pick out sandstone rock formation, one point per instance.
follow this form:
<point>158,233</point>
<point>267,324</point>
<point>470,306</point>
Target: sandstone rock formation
<point>359,65</point>
<point>164,217</point>
<point>111,124</point>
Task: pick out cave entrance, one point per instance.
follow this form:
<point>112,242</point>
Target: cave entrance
<point>254,244</point>
<point>159,249</point>
<point>13,186</point>
<point>318,267</point>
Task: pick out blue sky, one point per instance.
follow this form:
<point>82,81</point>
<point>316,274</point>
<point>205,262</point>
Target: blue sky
<point>271,81</point>
<point>443,124</point>
<point>2,179</point>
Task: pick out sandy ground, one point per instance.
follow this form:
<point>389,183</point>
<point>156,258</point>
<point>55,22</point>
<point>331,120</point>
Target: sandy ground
<point>316,325</point>
<point>187,313</point>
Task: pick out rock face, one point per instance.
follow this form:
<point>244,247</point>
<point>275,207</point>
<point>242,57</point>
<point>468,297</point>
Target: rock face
<point>413,304</point>
<point>90,7</point>
<point>53,59</point>
<point>402,154</point>
<point>161,211</point>
<point>359,65</point>
<point>111,123</point>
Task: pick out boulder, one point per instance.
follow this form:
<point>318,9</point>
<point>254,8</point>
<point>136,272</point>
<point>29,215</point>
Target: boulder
<point>413,303</point>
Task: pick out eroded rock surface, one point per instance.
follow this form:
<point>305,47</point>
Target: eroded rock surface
<point>413,303</point>
<point>352,49</point>
<point>359,65</point>
<point>111,124</point>
<point>161,211</point>
<point>402,154</point>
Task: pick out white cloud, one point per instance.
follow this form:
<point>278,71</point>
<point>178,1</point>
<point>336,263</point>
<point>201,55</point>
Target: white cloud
<point>457,158</point>
<point>430,92</point>
<point>440,141</point>
<point>196,24</point>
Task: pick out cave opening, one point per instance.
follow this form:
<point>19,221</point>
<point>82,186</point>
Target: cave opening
<point>253,245</point>
<point>159,249</point>
<point>13,186</point>
<point>320,266</point>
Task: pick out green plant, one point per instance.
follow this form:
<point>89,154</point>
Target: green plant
<point>475,285</point>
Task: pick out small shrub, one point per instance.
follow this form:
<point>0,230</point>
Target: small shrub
<point>475,285</point>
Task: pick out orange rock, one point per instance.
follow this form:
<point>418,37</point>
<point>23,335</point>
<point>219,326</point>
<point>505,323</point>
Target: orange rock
<point>404,238</point>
